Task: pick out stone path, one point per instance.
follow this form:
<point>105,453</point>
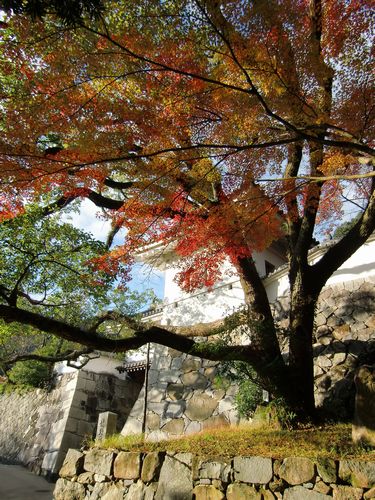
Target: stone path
<point>17,483</point>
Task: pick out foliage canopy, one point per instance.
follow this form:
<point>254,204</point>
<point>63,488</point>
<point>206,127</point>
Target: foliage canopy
<point>218,126</point>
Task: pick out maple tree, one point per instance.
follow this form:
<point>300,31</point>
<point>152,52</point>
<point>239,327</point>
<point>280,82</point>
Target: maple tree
<point>220,126</point>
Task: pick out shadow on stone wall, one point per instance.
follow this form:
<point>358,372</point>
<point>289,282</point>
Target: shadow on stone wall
<point>335,388</point>
<point>344,340</point>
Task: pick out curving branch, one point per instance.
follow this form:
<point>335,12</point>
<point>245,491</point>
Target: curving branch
<point>215,351</point>
<point>69,356</point>
<point>337,254</point>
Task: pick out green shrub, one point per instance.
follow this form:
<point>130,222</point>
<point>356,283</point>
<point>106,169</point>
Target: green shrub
<point>248,397</point>
<point>249,393</point>
<point>32,373</point>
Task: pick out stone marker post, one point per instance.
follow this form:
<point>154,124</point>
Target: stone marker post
<point>107,423</point>
<point>363,429</point>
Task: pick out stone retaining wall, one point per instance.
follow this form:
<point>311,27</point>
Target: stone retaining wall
<point>37,428</point>
<point>344,340</point>
<point>107,475</point>
<point>181,398</point>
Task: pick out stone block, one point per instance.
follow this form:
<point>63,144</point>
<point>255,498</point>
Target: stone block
<point>151,466</point>
<point>324,362</point>
<point>200,407</point>
<point>360,315</point>
<point>169,376</point>
<point>152,421</point>
<point>78,413</point>
<point>257,470</point>
<point>347,493</point>
<point>132,426</point>
<point>297,470</point>
<point>175,479</point>
<point>210,372</point>
<point>127,465</point>
<point>175,409</point>
<point>99,461</point>
<point>163,363</point>
<point>156,395</point>
<point>60,426</point>
<point>327,469</point>
<point>153,376</point>
<point>191,364</point>
<point>86,478</point>
<point>155,436</point>
<point>100,478</point>
<point>173,353</point>
<point>226,404</point>
<point>193,427</point>
<point>115,492</point>
<point>85,428</point>
<point>184,458</point>
<point>217,394</point>
<point>49,461</point>
<point>136,492</point>
<point>207,492</point>
<point>176,363</point>
<point>357,473</point>
<point>267,494</point>
<point>238,491</point>
<point>175,392</point>
<point>158,408</point>
<point>65,489</point>
<point>174,427</point>
<point>299,493</point>
<point>71,385</point>
<point>369,494</point>
<point>210,469</point>
<point>90,385</point>
<point>339,358</point>
<point>99,490</point>
<point>73,464</point>
<point>322,487</point>
<point>215,422</point>
<point>150,491</point>
<point>55,440</point>
<point>70,440</point>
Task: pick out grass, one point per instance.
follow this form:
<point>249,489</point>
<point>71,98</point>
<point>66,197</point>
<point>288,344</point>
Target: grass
<point>7,388</point>
<point>329,441</point>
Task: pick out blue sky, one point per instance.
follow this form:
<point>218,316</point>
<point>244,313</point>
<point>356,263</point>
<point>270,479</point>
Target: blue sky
<point>143,277</point>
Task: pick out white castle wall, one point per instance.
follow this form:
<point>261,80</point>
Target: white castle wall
<point>182,309</point>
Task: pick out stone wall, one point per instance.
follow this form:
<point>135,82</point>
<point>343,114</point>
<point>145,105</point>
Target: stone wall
<point>344,340</point>
<point>112,475</point>
<point>20,417</point>
<point>38,428</point>
<point>182,398</point>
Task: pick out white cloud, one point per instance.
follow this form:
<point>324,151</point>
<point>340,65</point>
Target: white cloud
<point>88,219</point>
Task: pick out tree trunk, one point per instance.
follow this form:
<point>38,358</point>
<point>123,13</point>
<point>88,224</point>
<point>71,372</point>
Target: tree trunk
<point>301,358</point>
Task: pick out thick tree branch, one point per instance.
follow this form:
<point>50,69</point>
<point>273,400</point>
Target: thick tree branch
<point>291,171</point>
<point>149,333</point>
<point>65,356</point>
<point>337,254</point>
